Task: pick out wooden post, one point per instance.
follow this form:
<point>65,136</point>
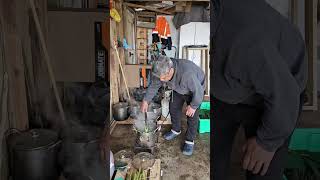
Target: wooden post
<point>4,125</point>
<point>294,11</point>
<point>311,43</point>
<point>14,62</point>
<point>114,66</point>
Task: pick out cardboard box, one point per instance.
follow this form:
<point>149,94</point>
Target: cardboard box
<point>142,44</point>
<point>142,33</point>
<point>133,74</point>
<point>71,44</point>
<point>142,54</point>
<point>143,61</point>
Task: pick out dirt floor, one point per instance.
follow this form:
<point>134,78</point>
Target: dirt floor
<point>174,164</point>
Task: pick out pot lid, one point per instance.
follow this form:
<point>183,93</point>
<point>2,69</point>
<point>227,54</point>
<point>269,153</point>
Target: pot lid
<point>33,139</point>
<point>121,105</point>
<point>123,158</point>
<point>143,160</point>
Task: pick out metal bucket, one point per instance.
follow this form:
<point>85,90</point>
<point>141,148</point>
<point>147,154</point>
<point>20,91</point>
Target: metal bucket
<point>147,139</point>
<point>146,132</point>
<point>155,108</point>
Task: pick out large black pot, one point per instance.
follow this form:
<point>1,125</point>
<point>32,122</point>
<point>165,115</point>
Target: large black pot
<point>80,154</point>
<point>34,155</point>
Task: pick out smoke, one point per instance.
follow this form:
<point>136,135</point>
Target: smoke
<point>145,125</point>
<point>86,108</point>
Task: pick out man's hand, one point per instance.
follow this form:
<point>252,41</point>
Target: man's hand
<point>256,159</point>
<point>190,111</point>
<point>144,106</point>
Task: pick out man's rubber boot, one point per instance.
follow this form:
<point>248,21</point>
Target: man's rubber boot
<point>188,148</point>
<point>171,135</point>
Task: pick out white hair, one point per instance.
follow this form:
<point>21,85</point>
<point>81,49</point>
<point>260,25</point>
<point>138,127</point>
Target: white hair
<point>161,66</point>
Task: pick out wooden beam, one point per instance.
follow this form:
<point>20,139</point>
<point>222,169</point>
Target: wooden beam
<point>169,7</point>
<point>147,8</point>
<point>4,121</point>
<point>146,14</point>
<point>311,43</point>
<point>294,11</point>
<point>4,125</point>
<point>18,113</point>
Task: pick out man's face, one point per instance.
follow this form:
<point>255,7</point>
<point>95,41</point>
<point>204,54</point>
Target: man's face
<point>166,77</point>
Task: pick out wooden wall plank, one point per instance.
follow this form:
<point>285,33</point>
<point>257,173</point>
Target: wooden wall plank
<point>294,6</point>
<point>14,61</point>
<point>120,36</point>
<point>114,66</point>
<point>106,43</point>
<point>17,93</point>
<point>4,121</point>
<point>128,18</point>
<point>311,43</point>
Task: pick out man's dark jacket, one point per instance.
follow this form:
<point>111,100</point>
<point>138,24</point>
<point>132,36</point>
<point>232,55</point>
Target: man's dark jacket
<point>258,56</point>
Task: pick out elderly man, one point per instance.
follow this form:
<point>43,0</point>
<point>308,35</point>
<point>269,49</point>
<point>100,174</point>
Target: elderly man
<point>258,77</point>
<point>187,81</point>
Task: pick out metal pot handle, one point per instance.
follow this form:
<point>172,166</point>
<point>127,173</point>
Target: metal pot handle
<point>12,131</point>
<point>34,133</point>
<point>54,144</point>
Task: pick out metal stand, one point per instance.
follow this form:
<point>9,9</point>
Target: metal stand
<point>138,148</point>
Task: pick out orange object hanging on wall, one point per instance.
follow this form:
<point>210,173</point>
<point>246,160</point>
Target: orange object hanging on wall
<point>162,28</point>
<point>161,33</point>
<point>144,76</point>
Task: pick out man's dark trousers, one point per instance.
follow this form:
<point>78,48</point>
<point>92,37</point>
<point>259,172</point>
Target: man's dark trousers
<point>226,120</point>
<point>176,104</point>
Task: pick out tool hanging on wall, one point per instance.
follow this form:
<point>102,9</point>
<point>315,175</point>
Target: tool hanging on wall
<point>115,15</point>
<point>144,76</point>
<point>121,69</point>
<point>47,59</point>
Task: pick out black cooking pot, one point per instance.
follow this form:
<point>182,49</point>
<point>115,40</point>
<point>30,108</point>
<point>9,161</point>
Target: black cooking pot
<point>34,154</point>
<point>134,110</point>
<point>80,154</point>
